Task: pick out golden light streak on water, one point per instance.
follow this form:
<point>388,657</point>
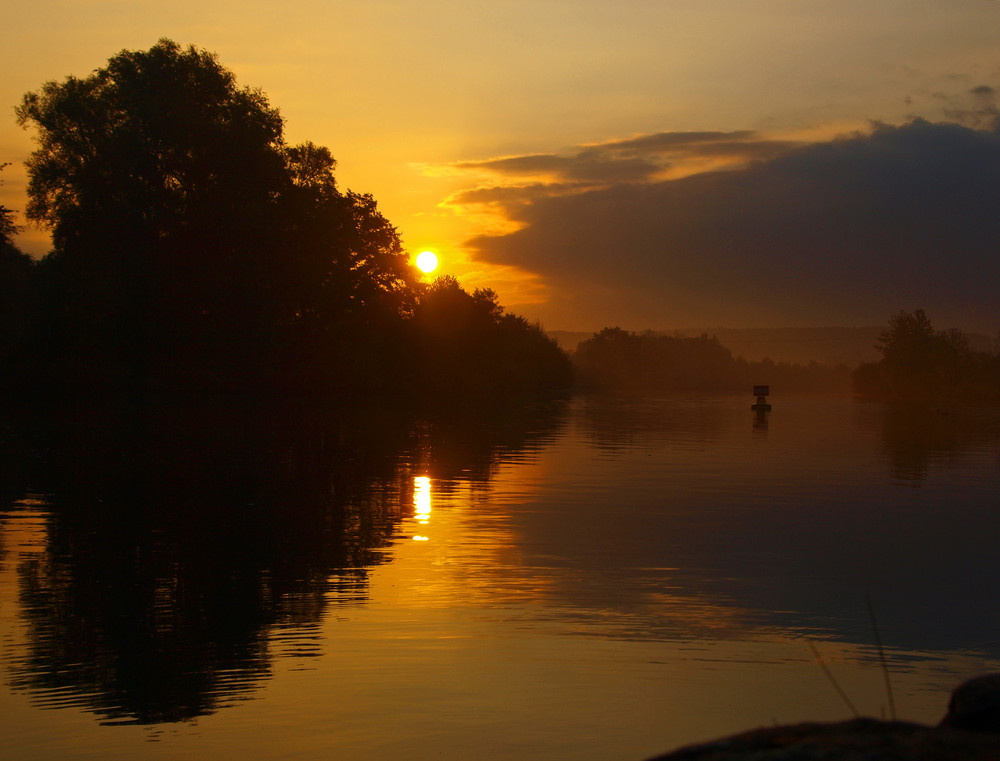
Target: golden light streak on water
<point>422,498</point>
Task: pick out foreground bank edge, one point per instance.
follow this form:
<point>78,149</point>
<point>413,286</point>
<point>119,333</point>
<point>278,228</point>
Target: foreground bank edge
<point>970,731</point>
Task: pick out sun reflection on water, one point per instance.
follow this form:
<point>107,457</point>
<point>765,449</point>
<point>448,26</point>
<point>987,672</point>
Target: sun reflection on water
<point>421,502</point>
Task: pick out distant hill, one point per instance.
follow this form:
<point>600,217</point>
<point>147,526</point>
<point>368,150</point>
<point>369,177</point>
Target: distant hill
<point>832,346</point>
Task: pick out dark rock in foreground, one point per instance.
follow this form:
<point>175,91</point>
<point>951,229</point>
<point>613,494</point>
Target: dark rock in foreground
<point>975,706</point>
<point>970,732</point>
<point>856,740</point>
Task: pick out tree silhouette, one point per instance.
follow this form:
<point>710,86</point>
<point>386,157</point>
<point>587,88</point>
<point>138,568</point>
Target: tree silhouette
<point>18,301</point>
<point>618,359</point>
<point>349,258</point>
<point>919,361</point>
<point>346,285</point>
<point>8,227</point>
<point>653,363</point>
<point>467,343</point>
<point>908,341</point>
<point>192,247</point>
<point>157,176</point>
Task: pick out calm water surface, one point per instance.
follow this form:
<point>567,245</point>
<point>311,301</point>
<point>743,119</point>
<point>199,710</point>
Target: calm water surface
<point>593,579</point>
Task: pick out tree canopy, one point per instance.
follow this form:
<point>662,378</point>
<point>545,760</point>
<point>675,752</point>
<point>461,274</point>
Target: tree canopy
<point>158,140</point>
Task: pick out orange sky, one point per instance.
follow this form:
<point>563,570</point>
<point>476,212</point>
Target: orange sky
<point>419,101</point>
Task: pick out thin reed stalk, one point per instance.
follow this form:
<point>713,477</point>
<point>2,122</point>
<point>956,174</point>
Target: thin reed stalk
<point>881,657</point>
<point>836,686</point>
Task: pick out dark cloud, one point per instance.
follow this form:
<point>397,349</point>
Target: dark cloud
<point>845,232</point>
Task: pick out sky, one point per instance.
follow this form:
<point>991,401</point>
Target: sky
<point>661,164</point>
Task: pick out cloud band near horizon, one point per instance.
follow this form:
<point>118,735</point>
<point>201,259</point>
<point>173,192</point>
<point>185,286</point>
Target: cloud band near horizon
<point>841,232</point>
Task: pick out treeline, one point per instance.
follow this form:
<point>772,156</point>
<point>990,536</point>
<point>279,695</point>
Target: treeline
<point>919,362</point>
<point>193,248</point>
<point>651,363</point>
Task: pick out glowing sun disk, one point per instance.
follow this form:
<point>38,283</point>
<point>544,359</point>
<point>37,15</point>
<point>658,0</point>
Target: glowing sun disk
<point>427,261</point>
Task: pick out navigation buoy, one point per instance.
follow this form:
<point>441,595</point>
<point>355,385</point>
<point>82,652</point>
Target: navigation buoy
<point>761,392</point>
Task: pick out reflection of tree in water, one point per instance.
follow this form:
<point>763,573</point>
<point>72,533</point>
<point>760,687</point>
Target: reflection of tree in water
<point>468,442</point>
<point>180,535</point>
<point>915,436</point>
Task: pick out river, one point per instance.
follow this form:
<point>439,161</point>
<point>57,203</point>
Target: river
<point>590,578</point>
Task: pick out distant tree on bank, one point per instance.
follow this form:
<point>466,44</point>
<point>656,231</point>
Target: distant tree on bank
<point>921,362</point>
<point>617,359</point>
<point>650,363</point>
<point>193,248</point>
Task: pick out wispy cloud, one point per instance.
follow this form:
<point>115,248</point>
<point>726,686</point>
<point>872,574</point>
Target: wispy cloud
<point>976,108</point>
<point>637,159</point>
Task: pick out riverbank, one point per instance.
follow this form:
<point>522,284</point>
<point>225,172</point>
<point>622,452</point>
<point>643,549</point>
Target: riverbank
<point>969,732</point>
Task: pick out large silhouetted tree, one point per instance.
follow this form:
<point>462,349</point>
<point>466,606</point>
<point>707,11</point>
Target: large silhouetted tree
<point>192,246</point>
<point>157,176</point>
<point>161,141</point>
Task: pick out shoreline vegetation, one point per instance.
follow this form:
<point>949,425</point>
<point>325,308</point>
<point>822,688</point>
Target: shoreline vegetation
<point>650,363</point>
<point>194,250</point>
<point>917,363</point>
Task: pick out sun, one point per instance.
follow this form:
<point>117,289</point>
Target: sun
<point>427,261</point>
